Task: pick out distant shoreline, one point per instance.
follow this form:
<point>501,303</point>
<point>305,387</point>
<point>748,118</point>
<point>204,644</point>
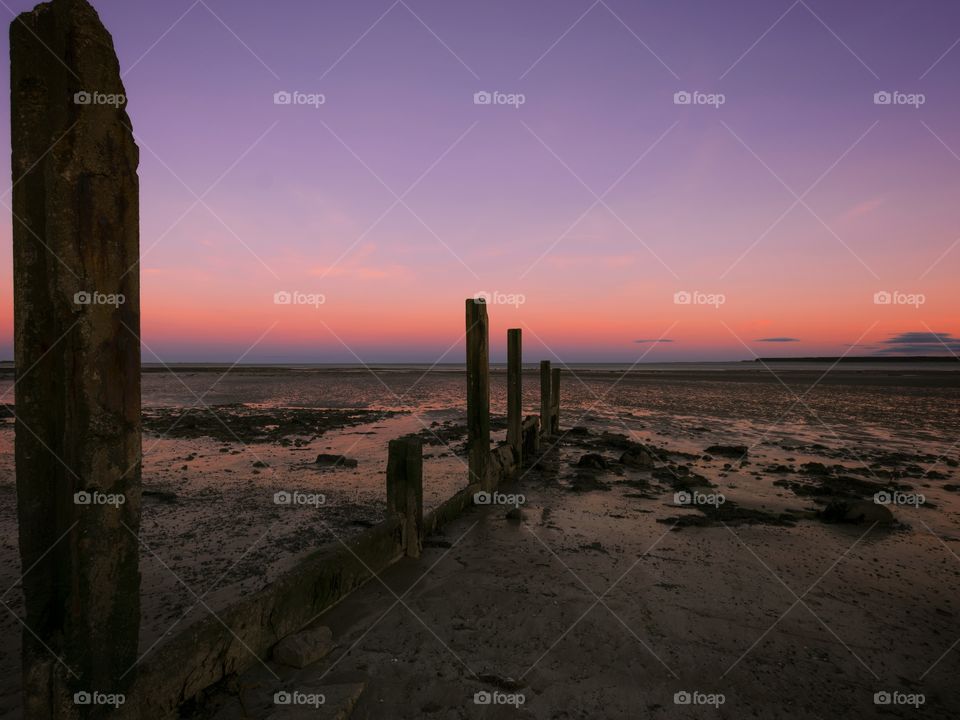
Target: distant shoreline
<point>8,369</point>
<point>864,358</point>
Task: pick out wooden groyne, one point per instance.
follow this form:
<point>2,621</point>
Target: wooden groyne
<point>78,410</point>
<point>234,639</point>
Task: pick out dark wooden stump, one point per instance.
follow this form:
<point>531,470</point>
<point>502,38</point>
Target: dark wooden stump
<point>478,393</point>
<point>77,349</point>
<point>405,490</point>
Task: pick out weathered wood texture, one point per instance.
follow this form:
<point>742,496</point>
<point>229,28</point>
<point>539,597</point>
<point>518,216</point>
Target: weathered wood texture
<point>77,352</point>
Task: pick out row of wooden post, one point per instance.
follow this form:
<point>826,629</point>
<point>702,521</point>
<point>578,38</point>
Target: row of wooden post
<point>78,404</point>
<point>405,461</point>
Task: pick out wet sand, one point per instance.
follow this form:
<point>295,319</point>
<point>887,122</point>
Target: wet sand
<point>598,603</point>
<point>211,527</point>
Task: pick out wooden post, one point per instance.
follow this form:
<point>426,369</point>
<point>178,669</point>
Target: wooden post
<point>555,402</point>
<point>405,490</point>
<point>76,288</point>
<point>531,436</point>
<point>515,393</point>
<point>478,393</point>
<point>546,404</point>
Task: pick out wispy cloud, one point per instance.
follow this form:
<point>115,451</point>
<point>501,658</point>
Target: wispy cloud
<point>777,340</point>
<point>860,210</point>
<point>655,340</point>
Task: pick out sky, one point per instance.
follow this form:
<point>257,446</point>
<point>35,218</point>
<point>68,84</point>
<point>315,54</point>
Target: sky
<point>625,181</point>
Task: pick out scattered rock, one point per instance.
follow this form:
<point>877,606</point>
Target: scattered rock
<point>593,461</point>
<point>680,477</point>
<point>239,423</point>
<point>330,460</point>
<point>729,513</point>
<point>856,511</point>
<point>638,458</point>
<point>735,451</point>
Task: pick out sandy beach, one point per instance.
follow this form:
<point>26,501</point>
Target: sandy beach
<point>763,605</point>
<point>706,580</point>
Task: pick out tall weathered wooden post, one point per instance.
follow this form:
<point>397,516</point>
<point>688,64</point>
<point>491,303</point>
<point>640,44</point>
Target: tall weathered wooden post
<point>478,392</point>
<point>515,393</point>
<point>546,404</point>
<point>405,490</point>
<point>77,350</point>
<point>555,401</point>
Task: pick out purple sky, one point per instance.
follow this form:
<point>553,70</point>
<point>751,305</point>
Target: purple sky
<point>505,199</point>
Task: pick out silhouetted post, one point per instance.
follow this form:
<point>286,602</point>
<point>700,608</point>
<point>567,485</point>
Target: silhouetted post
<point>546,404</point>
<point>555,401</point>
<point>405,490</point>
<point>478,392</point>
<point>531,436</point>
<point>76,328</point>
<point>515,393</point>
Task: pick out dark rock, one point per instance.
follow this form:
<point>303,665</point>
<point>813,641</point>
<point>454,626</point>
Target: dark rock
<point>856,511</point>
<point>638,458</point>
<point>330,460</point>
<point>734,451</point>
<point>593,461</point>
<point>729,513</point>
